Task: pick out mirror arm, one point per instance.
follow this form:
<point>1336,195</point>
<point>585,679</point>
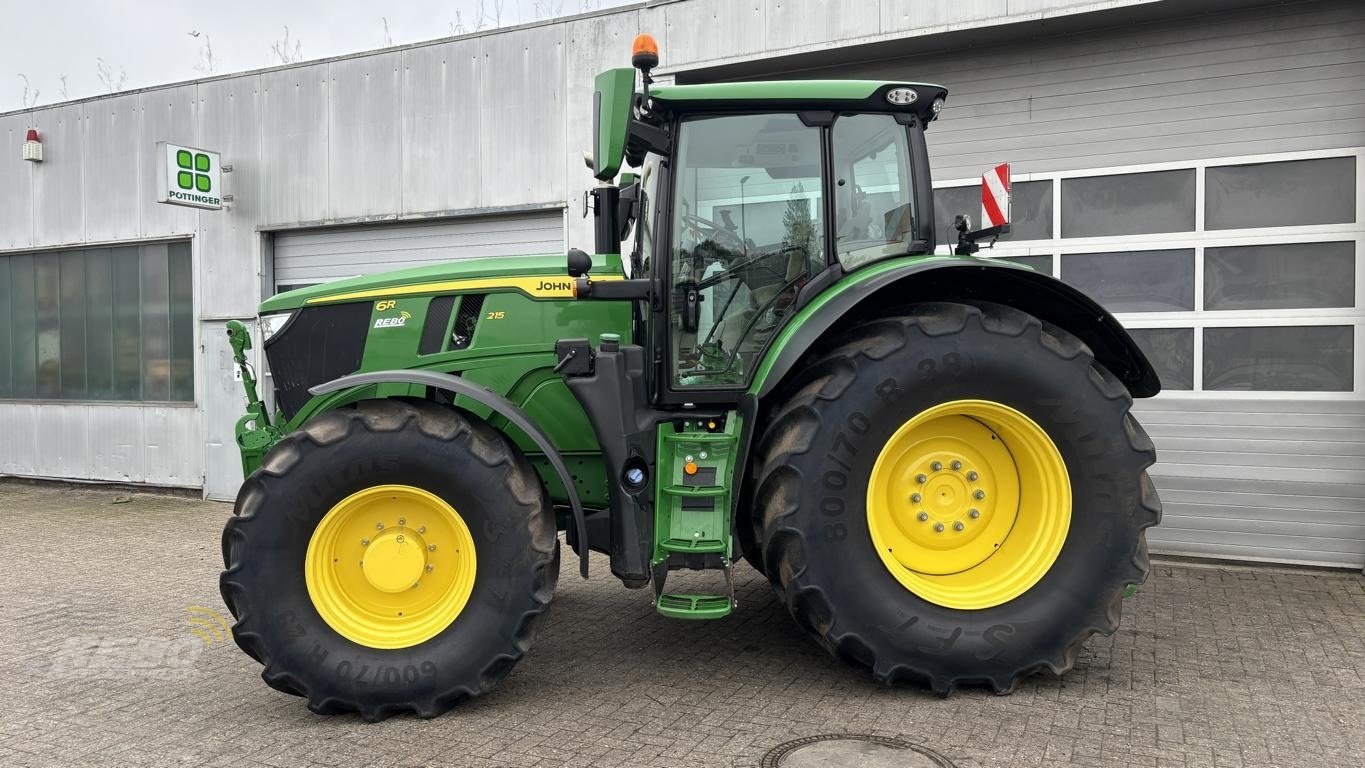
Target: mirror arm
<point>967,241</point>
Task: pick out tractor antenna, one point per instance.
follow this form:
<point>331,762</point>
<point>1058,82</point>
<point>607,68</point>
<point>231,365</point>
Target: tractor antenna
<point>644,56</point>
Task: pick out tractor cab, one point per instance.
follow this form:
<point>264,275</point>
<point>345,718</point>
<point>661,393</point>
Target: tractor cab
<point>750,198</point>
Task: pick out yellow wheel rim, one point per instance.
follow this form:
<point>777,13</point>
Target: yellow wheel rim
<point>969,504</point>
<point>390,566</point>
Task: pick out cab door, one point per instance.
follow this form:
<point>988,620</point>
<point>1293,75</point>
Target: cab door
<point>747,231</point>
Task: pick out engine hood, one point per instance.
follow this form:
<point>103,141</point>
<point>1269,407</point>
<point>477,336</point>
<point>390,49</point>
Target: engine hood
<point>437,276</point>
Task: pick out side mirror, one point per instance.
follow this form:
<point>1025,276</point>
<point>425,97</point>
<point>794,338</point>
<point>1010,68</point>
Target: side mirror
<point>580,263</point>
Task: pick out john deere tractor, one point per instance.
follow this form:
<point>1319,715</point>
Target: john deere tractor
<point>930,456</point>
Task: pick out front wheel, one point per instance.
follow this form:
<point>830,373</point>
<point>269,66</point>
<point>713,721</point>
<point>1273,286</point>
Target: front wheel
<point>957,495</point>
<point>396,556</point>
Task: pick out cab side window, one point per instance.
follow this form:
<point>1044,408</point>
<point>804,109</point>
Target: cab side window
<point>873,195</point>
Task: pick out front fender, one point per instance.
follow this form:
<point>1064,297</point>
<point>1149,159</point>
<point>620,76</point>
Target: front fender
<point>898,282</point>
<point>492,400</point>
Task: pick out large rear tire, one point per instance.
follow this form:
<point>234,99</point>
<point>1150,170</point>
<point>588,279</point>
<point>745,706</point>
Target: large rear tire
<point>396,556</point>
<point>875,477</point>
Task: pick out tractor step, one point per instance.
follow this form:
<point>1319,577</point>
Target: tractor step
<point>696,465</point>
<point>694,606</point>
<point>694,546</point>
<point>682,606</point>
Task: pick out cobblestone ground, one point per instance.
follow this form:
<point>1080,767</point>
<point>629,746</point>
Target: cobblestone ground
<point>1213,666</point>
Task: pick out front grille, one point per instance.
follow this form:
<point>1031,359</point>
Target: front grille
<point>316,346</point>
<point>471,306</point>
<point>434,332</point>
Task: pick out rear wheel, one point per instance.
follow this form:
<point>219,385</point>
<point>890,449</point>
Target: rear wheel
<point>389,557</point>
<point>955,496</point>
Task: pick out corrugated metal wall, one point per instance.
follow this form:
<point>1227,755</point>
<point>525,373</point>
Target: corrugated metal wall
<point>1273,79</point>
<point>309,256</point>
<point>1266,478</point>
<point>1276,480</point>
<point>126,443</point>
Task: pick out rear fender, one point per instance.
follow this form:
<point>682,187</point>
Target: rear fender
<point>886,287</point>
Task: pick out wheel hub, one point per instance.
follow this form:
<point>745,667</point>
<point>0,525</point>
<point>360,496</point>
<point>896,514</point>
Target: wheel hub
<point>394,561</point>
<point>969,503</point>
<point>951,469</point>
<point>390,566</point>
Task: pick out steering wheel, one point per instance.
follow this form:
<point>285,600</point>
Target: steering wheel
<point>716,231</point>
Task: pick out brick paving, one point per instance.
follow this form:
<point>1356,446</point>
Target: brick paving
<point>1214,667</point>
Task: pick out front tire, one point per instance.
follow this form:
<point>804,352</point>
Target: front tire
<point>462,556</point>
<point>843,441</point>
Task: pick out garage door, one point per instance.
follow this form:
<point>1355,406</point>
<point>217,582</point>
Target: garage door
<point>311,256</point>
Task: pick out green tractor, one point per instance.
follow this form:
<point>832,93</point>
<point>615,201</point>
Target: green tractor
<point>931,457</point>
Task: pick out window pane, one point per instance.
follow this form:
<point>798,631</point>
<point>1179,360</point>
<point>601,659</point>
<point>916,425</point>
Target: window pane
<point>1289,276</point>
<point>1128,204</point>
<point>99,324</point>
<point>950,201</point>
<point>1307,358</point>
<point>1134,281</point>
<point>875,215</point>
<point>1041,263</point>
<point>1171,352</point>
<point>127,324</point>
<point>24,327</point>
<point>1030,210</point>
<point>182,322</point>
<point>73,324</point>
<point>156,324</point>
<point>47,293</point>
<point>1301,192</point>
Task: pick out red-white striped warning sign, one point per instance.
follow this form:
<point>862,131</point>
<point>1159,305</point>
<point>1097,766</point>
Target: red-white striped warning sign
<point>995,196</point>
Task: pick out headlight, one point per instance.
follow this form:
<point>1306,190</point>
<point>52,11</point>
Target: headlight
<point>271,324</point>
<point>902,96</point>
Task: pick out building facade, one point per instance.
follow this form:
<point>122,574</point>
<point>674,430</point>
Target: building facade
<point>1196,166</point>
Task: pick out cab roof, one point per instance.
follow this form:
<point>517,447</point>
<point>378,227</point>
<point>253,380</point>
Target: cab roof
<point>802,94</point>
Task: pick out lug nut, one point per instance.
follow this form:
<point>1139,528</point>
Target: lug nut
<point>979,495</point>
<point>423,529</point>
<point>956,465</point>
<point>936,466</point>
<point>402,521</point>
<point>973,513</point>
<point>379,526</point>
<point>923,516</point>
<point>364,542</point>
<point>972,475</point>
<point>938,527</point>
<point>915,498</point>
<point>431,547</point>
<point>921,479</point>
<point>958,526</point>
<point>430,567</point>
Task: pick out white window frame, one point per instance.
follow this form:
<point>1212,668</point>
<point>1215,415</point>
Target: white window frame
<point>1199,239</point>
